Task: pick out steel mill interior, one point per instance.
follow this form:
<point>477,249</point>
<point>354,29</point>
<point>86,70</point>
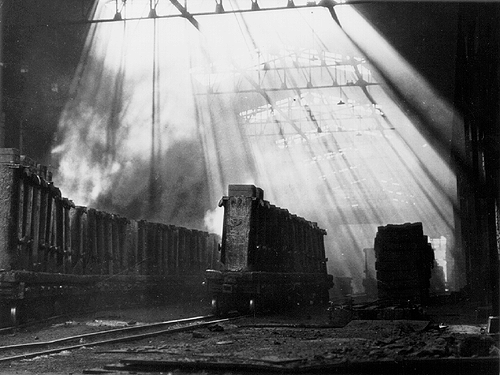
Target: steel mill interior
<point>235,186</point>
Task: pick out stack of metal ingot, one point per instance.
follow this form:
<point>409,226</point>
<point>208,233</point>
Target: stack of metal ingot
<point>404,260</point>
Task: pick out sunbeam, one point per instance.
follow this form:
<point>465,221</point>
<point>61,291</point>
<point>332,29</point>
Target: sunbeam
<point>164,116</point>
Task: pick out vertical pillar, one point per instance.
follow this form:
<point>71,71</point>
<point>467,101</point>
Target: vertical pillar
<point>119,257</point>
<point>164,249</point>
<point>49,237</point>
<point>213,245</point>
<point>84,241</point>
<point>152,254</point>
<point>294,249</point>
<point>158,248</point>
<point>181,250</point>
<point>114,265</point>
<point>43,225</point>
<point>2,116</point>
<point>168,245</point>
<point>35,245</point>
<point>108,243</point>
<point>289,243</point>
<point>191,245</point>
<point>477,100</point>
<point>101,255</point>
<point>237,225</point>
<point>175,250</point>
<point>141,248</point>
<point>92,261</point>
<point>308,246</point>
<point>302,244</point>
<point>203,263</point>
<point>130,247</point>
<point>169,249</point>
<point>76,245</point>
<point>321,234</point>
<point>239,228</point>
<point>9,186</point>
<point>24,220</point>
<point>67,251</point>
<point>60,235</point>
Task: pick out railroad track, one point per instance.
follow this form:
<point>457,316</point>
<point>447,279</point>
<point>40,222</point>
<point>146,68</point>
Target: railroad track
<point>117,335</point>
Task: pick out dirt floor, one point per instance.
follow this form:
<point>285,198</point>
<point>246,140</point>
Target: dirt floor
<point>302,338</point>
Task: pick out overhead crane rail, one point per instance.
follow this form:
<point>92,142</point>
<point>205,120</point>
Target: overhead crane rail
<point>182,10</point>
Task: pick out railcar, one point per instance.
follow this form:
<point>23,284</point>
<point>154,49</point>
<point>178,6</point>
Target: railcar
<point>271,258</point>
<point>56,257</point>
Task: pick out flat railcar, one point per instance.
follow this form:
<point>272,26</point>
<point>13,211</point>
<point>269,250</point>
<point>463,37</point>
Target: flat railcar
<point>271,258</point>
<point>56,257</point>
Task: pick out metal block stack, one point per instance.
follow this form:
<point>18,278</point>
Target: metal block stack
<point>404,260</point>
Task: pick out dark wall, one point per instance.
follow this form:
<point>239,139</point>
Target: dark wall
<point>424,33</point>
<point>42,44</point>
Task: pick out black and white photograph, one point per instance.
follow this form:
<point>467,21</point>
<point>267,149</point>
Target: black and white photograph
<point>232,187</point>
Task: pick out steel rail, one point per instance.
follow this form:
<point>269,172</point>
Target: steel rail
<point>104,332</point>
<point>114,340</point>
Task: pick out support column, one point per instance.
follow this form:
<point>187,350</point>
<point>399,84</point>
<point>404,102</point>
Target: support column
<point>2,115</point>
<point>478,101</point>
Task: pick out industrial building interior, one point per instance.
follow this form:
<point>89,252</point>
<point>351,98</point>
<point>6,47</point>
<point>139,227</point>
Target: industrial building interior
<point>352,114</point>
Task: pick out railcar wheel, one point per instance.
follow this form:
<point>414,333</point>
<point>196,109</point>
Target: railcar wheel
<point>14,314</point>
<point>215,306</point>
<point>325,297</point>
<point>57,308</point>
<point>219,306</point>
<point>251,306</point>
